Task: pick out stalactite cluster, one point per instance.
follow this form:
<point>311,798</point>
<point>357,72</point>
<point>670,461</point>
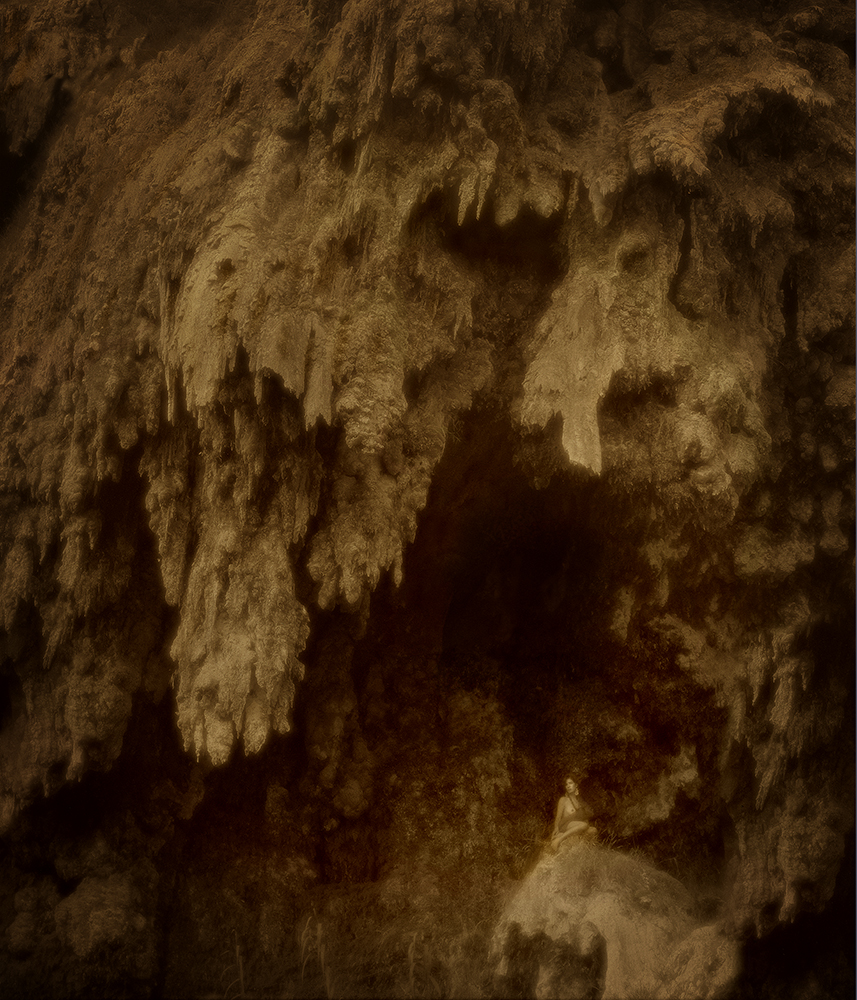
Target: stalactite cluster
<point>402,404</point>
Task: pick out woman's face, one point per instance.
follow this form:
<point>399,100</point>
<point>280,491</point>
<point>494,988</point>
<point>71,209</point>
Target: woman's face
<point>570,787</point>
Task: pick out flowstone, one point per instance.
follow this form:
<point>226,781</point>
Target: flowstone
<point>403,405</point>
<point>590,921</point>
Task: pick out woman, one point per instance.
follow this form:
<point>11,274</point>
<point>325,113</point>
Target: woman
<point>572,816</point>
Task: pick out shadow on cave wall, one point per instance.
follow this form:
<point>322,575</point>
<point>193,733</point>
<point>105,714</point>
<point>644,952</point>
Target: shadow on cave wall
<point>812,957</point>
<point>526,583</point>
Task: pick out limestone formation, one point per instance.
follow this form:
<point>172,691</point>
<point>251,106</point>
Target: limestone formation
<point>403,404</point>
<point>589,921</point>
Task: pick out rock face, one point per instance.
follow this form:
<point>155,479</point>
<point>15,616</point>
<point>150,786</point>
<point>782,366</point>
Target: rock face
<point>402,405</point>
<point>592,922</point>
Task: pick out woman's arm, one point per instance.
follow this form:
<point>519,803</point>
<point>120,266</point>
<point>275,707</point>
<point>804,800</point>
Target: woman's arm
<point>558,817</point>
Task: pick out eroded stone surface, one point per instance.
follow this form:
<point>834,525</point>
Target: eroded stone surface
<point>590,921</point>
<point>539,317</point>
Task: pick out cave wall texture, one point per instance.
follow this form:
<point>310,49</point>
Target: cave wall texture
<point>401,405</point>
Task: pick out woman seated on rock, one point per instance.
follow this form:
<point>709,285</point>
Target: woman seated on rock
<point>572,816</point>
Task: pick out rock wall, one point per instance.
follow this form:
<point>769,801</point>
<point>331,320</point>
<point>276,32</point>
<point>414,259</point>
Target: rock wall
<point>403,405</point>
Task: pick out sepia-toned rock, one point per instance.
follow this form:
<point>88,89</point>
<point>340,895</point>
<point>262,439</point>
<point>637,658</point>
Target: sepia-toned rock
<point>404,406</point>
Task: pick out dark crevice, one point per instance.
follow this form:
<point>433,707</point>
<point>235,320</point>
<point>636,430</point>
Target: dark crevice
<point>346,156</point>
<point>327,441</point>
<point>615,77</point>
<point>788,288</point>
<point>413,385</point>
<point>848,47</point>
<point>626,397</point>
<point>18,169</point>
<point>14,171</point>
<point>11,693</point>
<point>776,964</point>
<point>528,244</point>
<point>288,86</point>
<point>675,295</point>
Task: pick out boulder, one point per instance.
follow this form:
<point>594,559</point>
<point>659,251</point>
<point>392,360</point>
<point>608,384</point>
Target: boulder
<point>591,922</point>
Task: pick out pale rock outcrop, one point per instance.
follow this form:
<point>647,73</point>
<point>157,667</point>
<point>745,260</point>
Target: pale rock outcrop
<point>591,921</point>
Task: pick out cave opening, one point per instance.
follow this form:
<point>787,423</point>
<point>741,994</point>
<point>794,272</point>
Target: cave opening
<point>495,666</point>
<point>509,597</point>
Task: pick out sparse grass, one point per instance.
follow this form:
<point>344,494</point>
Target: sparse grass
<point>314,946</point>
<point>235,989</point>
<point>359,947</point>
<point>402,937</point>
